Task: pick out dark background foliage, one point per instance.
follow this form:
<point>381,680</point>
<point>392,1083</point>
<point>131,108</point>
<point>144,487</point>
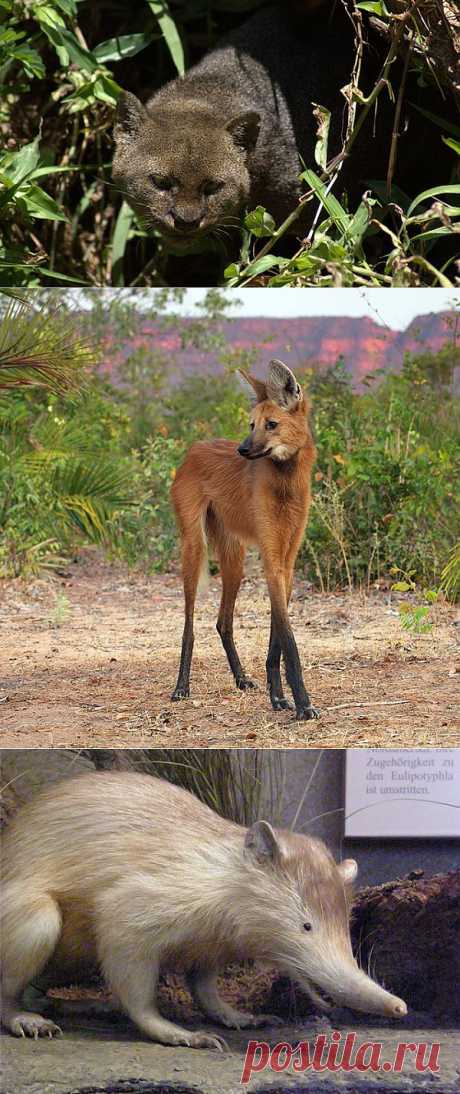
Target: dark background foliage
<point>62,65</point>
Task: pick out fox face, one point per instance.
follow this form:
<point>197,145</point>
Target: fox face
<point>279,424</point>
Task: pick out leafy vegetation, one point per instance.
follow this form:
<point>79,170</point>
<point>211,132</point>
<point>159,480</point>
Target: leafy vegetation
<point>96,466</point>
<point>62,65</point>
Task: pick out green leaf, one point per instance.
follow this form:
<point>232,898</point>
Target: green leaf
<point>330,203</point>
<point>323,117</point>
<point>260,223</point>
<point>46,272</point>
<point>67,6</point>
<point>30,60</point>
<point>361,220</point>
<point>115,49</point>
<point>433,233</point>
<point>64,40</point>
<point>56,169</point>
<point>267,262</point>
<point>47,16</point>
<point>375,6</point>
<point>435,191</point>
<point>455,145</point>
<point>120,238</point>
<point>106,90</point>
<point>41,205</point>
<point>160,9</point>
<point>22,163</point>
<point>233,270</point>
<point>401,587</point>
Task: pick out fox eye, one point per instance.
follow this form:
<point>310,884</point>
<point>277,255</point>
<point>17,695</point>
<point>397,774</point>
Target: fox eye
<point>212,187</point>
<point>251,425</point>
<point>271,425</point>
<point>307,926</point>
<point>161,183</point>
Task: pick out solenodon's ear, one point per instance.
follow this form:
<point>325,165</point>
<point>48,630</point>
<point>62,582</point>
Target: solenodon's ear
<point>348,869</point>
<point>261,842</point>
<point>255,389</point>
<point>282,386</point>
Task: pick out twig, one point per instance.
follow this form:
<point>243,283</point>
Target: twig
<point>396,122</point>
<point>373,703</point>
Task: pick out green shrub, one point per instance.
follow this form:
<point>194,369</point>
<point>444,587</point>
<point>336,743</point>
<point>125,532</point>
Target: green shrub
<point>388,465</point>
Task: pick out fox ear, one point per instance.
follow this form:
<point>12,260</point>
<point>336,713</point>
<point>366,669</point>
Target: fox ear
<point>256,389</point>
<point>282,386</point>
<point>245,130</point>
<point>130,117</point>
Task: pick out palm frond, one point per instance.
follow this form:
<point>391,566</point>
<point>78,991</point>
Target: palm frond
<point>42,349</point>
<point>450,577</point>
<point>90,497</point>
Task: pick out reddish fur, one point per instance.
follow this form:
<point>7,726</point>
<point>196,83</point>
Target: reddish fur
<point>237,501</point>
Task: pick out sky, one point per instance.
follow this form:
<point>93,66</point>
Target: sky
<point>389,307</point>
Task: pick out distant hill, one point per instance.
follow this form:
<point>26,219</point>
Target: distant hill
<point>363,343</point>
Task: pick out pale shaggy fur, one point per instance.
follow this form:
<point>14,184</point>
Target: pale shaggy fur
<point>128,874</point>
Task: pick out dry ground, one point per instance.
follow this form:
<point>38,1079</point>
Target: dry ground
<point>99,1049</point>
<point>92,1058</point>
<point>89,659</point>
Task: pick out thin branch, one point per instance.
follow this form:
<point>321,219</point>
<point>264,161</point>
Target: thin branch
<point>373,703</point>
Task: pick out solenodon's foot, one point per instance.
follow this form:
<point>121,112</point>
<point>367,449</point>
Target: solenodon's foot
<point>27,1024</point>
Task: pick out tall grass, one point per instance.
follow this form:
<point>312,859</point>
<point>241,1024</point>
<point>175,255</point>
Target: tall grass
<point>241,785</point>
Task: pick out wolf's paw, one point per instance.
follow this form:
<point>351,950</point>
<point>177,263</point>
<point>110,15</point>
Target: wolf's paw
<point>180,693</point>
<point>306,714</point>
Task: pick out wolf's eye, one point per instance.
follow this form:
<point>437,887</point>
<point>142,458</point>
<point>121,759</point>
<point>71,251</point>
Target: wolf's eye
<point>307,926</point>
<point>212,187</point>
<point>161,183</point>
<point>271,425</point>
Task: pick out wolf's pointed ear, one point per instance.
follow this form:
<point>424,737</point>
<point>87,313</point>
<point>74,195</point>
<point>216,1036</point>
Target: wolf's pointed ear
<point>255,389</point>
<point>245,130</point>
<point>282,386</point>
<point>129,118</point>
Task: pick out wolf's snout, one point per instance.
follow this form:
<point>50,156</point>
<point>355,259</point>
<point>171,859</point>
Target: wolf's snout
<point>250,450</point>
<point>244,448</point>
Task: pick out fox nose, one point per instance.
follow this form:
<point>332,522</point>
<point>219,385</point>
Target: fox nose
<point>186,223</point>
<point>245,447</point>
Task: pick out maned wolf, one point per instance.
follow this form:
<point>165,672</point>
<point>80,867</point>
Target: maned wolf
<point>258,493</point>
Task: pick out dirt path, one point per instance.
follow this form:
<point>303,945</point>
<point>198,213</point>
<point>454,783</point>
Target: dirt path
<point>90,658</point>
